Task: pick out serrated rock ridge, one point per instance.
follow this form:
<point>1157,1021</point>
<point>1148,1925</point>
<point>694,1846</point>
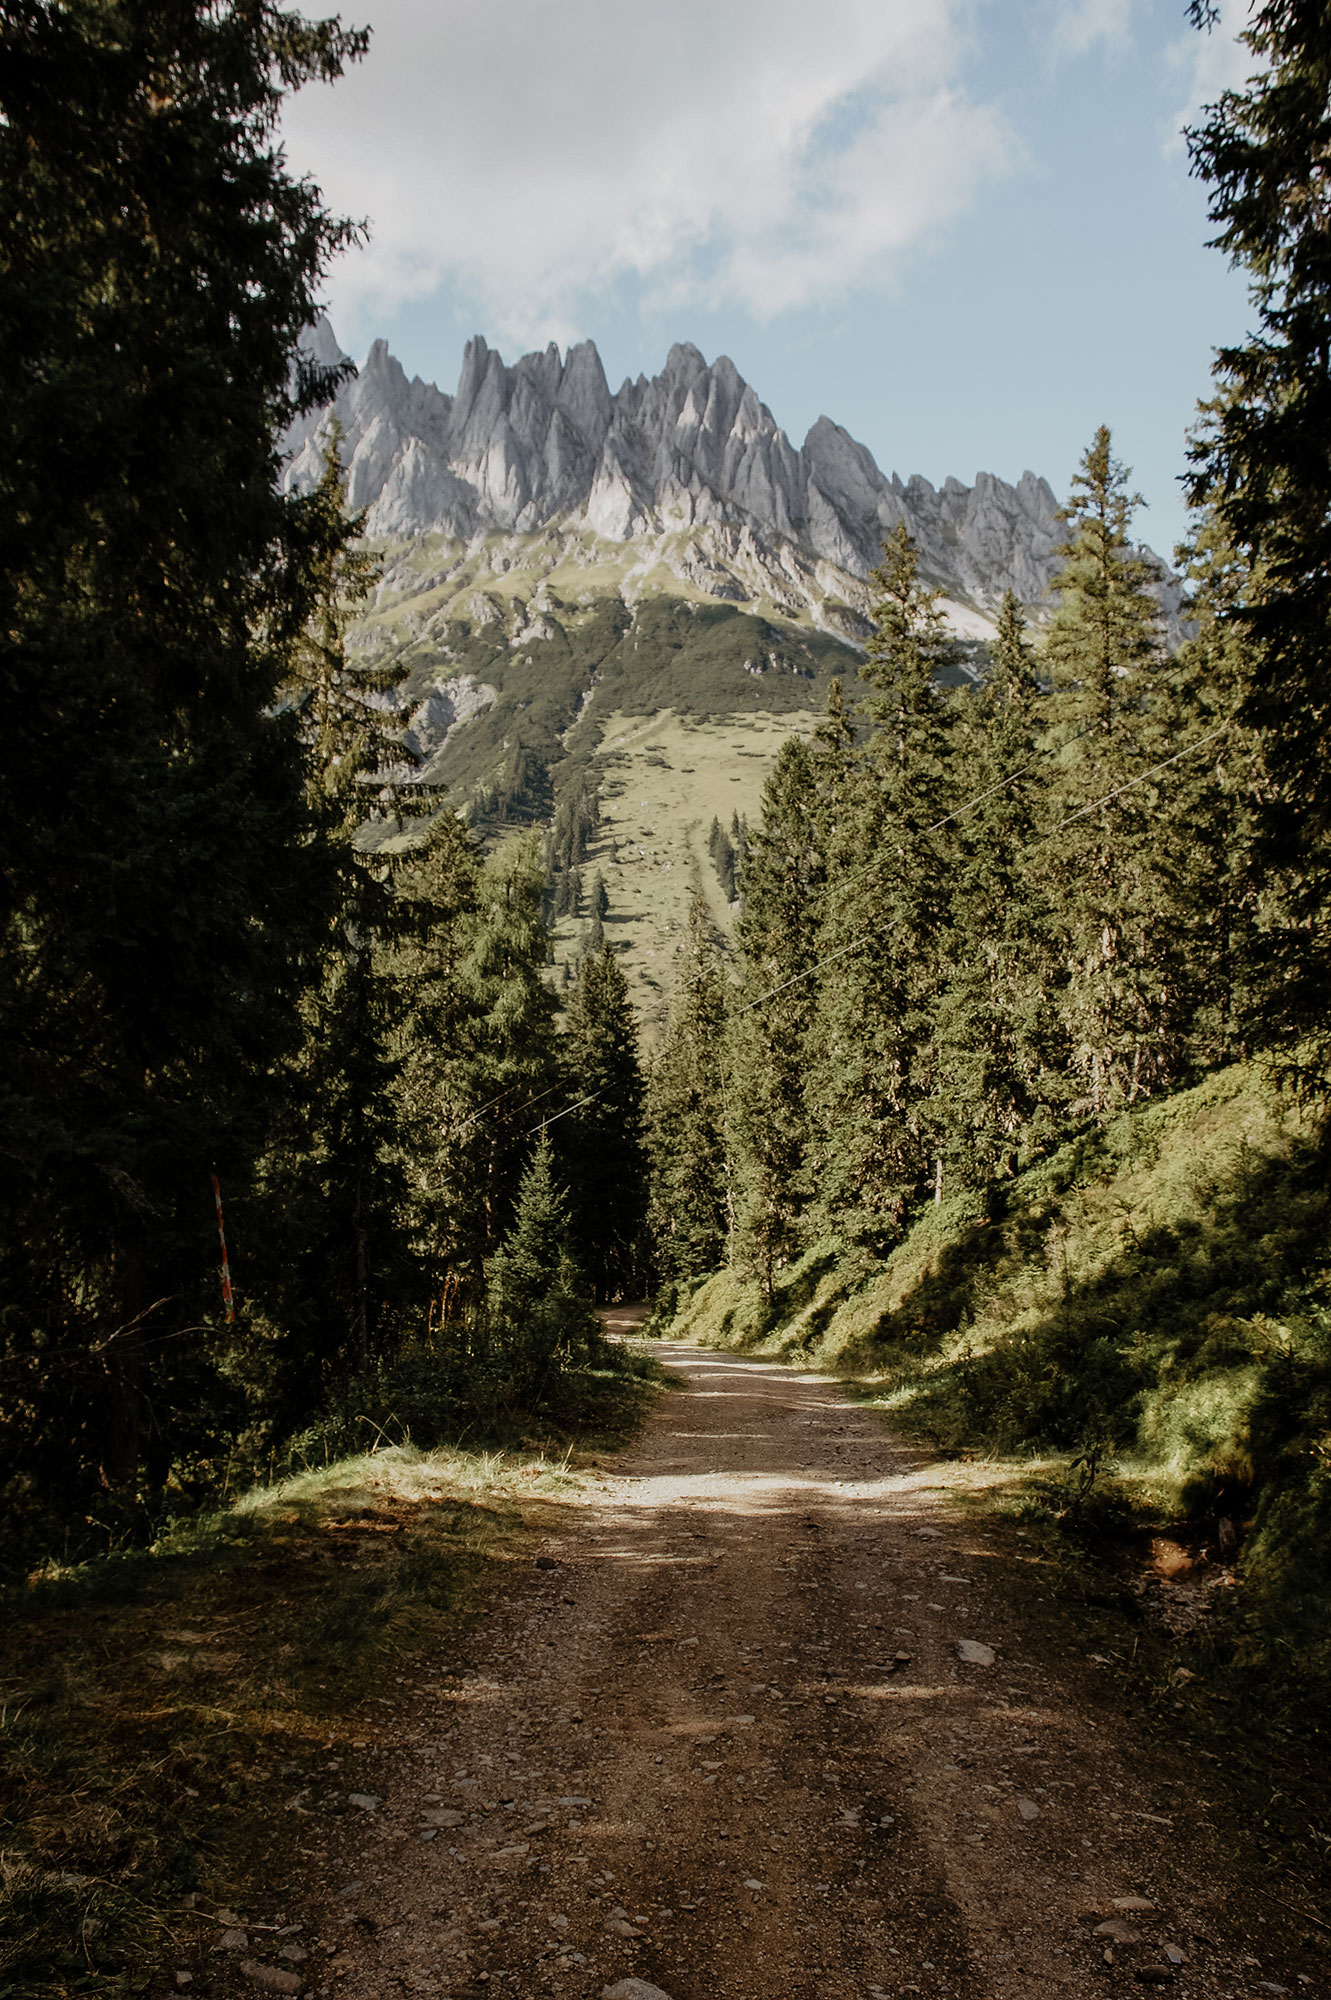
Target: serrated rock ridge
<point>542,441</point>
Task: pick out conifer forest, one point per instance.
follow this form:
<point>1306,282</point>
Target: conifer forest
<point>300,1137</point>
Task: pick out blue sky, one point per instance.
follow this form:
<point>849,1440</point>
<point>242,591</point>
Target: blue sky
<point>965,231</point>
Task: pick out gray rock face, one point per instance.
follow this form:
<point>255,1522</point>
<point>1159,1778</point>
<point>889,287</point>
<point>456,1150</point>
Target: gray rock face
<point>519,449</point>
<point>442,712</point>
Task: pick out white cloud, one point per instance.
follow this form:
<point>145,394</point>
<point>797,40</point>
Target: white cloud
<point>1208,63</point>
<point>760,153</point>
<point>1078,26</point>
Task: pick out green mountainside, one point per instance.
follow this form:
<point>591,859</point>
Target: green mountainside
<point>549,661</point>
<point>528,680</point>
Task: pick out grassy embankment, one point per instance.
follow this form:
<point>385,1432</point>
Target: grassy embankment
<point>663,780</point>
<point>179,1725</point>
<point>1132,1344</point>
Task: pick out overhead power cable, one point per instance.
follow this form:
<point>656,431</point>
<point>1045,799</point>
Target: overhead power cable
<point>590,1098</point>
<point>1140,779</point>
<point>1024,770</point>
<point>858,944</point>
<point>481,1109</point>
<point>510,1114</point>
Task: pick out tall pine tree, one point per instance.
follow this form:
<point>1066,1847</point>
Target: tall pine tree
<point>602,1142</point>
<point>873,1072</point>
<point>690,1211</point>
<point>1107,865</point>
<point>999,1070</point>
<point>435,898</point>
<point>785,875</point>
<point>506,1069</point>
<point>1262,468</point>
<point>540,1317</point>
<point>322,1230</point>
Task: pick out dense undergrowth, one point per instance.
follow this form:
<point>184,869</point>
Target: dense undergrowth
<point>1149,1306</point>
<point>496,1381</point>
<point>172,1716</point>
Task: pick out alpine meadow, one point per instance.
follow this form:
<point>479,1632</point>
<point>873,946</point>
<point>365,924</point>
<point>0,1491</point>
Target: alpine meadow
<point>495,882</point>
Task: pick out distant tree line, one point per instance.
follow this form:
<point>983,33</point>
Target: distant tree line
<point>973,921</point>
<point>975,918</point>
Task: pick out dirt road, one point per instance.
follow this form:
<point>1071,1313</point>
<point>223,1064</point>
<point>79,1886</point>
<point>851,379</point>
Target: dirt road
<point>728,1744</point>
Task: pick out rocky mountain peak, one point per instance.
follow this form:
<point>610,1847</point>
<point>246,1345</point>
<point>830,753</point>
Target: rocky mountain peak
<point>543,441</point>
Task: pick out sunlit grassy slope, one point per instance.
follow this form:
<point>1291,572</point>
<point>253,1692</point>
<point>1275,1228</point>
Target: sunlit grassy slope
<point>606,664</point>
<point>1151,1301</point>
<point>663,779</point>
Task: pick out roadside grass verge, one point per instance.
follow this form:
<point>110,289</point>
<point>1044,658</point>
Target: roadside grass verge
<point>1150,1307</point>
<point>172,1717</point>
<point>1131,1343</point>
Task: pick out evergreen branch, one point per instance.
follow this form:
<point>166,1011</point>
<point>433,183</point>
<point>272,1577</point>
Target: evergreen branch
<point>1140,779</point>
<point>859,943</point>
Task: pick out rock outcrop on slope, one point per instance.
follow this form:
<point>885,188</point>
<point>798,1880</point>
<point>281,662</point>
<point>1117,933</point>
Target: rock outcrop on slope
<point>542,442</point>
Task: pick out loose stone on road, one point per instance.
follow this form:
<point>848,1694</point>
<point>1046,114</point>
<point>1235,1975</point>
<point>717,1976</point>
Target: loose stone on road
<point>778,1724</point>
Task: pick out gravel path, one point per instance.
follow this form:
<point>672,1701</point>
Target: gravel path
<point>726,1741</point>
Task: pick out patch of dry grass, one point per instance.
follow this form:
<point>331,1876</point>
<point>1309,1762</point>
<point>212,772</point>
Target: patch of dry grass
<point>666,777</point>
<point>162,1714</point>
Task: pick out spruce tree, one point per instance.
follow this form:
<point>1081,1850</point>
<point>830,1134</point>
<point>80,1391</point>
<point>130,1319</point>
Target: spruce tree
<point>506,1063</point>
<point>1000,1081</point>
<point>344,727</point>
<point>722,851</point>
<point>1262,469</point>
<point>784,882</point>
<point>1105,634</point>
<point>1236,951</point>
<point>539,1315</point>
<point>345,1269</point>
<point>602,1142</point>
<point>435,894</point>
<point>834,762</point>
<point>1113,875</point>
<point>576,819</point>
<point>874,1066</point>
<point>325,1194</point>
<point>690,1197</point>
<point>739,841</point>
<point>157,264</point>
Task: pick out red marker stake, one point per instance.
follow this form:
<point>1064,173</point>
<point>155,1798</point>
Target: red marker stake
<point>227,1299</point>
